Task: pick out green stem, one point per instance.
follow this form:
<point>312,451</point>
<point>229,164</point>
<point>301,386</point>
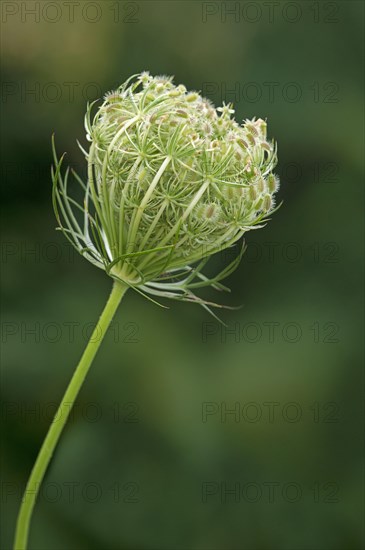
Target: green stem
<point>55,430</point>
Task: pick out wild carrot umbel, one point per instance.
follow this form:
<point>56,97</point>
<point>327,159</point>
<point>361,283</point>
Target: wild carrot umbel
<point>171,181</point>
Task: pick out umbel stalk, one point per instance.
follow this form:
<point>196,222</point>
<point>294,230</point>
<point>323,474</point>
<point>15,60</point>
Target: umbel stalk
<point>60,419</point>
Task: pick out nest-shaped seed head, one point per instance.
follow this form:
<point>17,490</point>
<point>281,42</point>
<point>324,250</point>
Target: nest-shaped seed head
<point>171,181</point>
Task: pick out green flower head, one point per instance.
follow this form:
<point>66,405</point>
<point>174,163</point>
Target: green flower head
<point>171,181</point>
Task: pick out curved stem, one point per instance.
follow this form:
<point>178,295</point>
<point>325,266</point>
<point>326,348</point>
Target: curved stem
<point>63,411</point>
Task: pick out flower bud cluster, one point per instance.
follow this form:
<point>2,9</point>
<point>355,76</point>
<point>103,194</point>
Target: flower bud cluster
<point>170,169</point>
<point>171,181</point>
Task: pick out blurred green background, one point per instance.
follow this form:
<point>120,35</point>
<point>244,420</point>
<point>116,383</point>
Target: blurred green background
<point>152,457</point>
